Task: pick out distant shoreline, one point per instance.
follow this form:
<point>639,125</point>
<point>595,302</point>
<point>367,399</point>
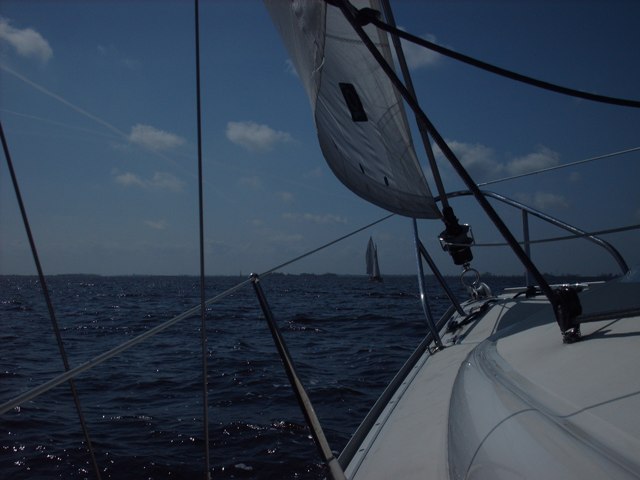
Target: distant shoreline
<point>487,276</point>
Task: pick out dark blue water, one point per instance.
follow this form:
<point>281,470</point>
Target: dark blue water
<point>144,408</point>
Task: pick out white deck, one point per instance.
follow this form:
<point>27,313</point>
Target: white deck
<point>521,404</point>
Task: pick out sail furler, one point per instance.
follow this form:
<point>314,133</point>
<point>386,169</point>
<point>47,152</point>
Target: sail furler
<point>360,118</point>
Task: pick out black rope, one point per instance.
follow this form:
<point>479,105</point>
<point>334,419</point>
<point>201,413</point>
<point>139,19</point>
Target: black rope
<point>498,70</point>
<point>47,298</point>
<point>203,309</point>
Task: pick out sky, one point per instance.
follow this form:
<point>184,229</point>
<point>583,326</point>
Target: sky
<point>98,103</point>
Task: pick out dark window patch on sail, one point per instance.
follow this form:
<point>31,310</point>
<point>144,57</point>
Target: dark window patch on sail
<point>353,102</point>
<point>361,168</point>
<point>386,181</point>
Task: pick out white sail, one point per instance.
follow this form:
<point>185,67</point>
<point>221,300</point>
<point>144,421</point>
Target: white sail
<point>373,267</point>
<point>360,118</point>
<point>369,257</point>
<point>376,266</point>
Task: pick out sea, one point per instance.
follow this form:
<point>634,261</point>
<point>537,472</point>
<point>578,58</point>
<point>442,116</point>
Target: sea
<point>144,408</point>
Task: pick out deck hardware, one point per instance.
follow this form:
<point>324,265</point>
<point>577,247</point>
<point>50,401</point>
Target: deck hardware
<point>421,252</point>
<point>477,289</point>
<point>568,309</point>
<point>476,277</point>
<point>456,239</point>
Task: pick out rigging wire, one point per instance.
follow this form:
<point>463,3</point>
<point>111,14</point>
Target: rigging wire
<point>564,165</point>
<point>567,237</point>
<point>203,308</point>
<point>365,18</point>
<point>103,357</point>
<point>424,134</point>
<point>322,247</point>
<point>47,298</point>
<point>123,347</point>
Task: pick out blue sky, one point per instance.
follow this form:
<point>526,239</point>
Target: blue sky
<point>97,100</point>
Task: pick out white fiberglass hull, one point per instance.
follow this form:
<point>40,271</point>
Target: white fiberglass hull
<point>507,399</point>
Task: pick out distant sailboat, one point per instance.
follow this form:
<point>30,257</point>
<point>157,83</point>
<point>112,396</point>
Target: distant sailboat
<point>373,268</point>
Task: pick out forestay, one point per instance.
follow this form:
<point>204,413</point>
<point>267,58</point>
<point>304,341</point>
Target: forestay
<point>360,118</point>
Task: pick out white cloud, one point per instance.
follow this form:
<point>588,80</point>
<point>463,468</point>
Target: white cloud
<point>159,181</point>
<point>542,158</point>
<point>417,56</point>
<point>27,42</point>
<point>286,197</point>
<point>289,67</point>
<point>313,218</point>
<point>153,138</point>
<point>156,224</point>
<point>255,137</point>
<point>129,180</point>
<point>479,160</point>
<point>544,200</point>
<point>251,182</point>
<point>166,181</point>
<point>482,164</point>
